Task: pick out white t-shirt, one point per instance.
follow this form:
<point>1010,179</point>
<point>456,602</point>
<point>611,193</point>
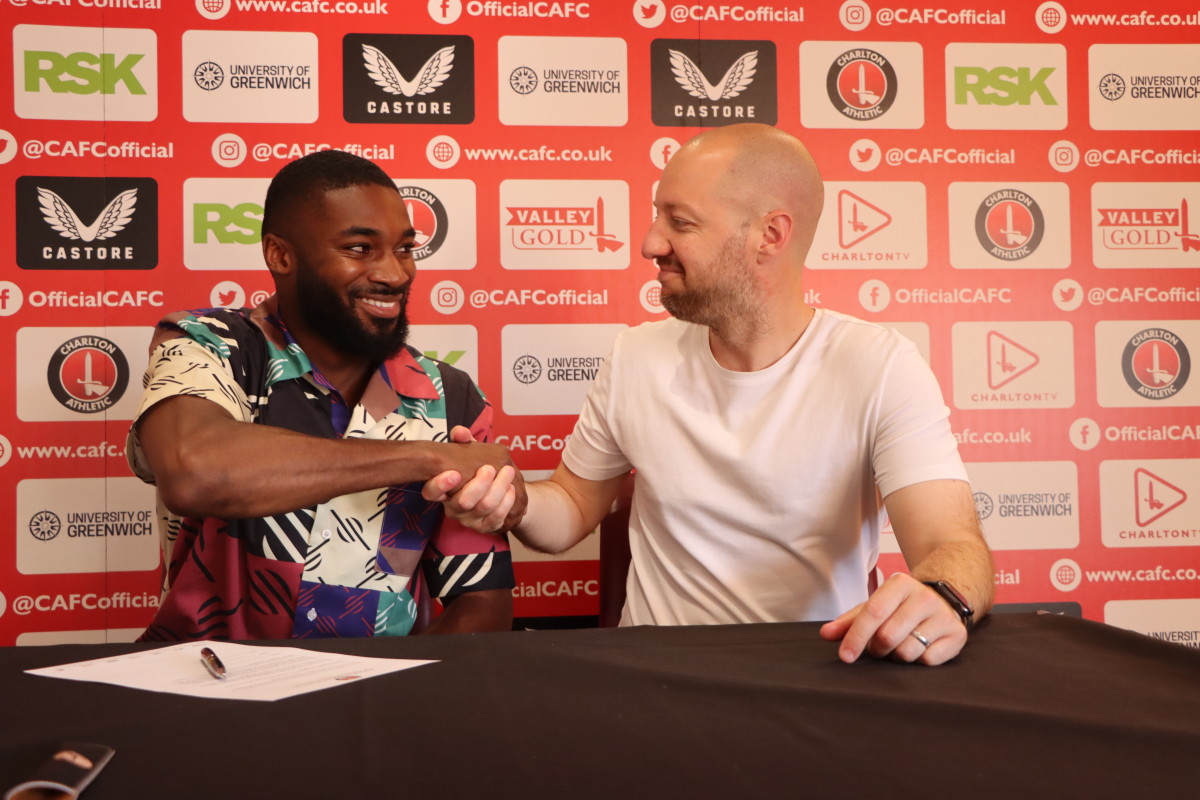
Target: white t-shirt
<point>758,494</point>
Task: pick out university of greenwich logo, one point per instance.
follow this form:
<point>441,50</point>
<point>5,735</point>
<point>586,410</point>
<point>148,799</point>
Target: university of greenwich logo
<point>88,374</point>
<point>712,82</point>
<point>861,84</point>
<point>87,223</point>
<point>250,76</point>
<point>408,79</point>
<point>62,72</point>
<point>1156,363</point>
<point>1009,224</point>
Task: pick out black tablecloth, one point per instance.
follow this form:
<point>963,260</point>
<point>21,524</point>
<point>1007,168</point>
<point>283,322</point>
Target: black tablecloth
<point>1036,706</point>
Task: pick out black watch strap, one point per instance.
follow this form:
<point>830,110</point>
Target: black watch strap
<point>956,601</point>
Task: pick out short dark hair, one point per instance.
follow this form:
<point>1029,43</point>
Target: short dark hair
<point>313,175</point>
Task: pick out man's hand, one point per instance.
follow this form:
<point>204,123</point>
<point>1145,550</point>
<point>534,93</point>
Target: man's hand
<point>892,621</point>
<point>492,500</point>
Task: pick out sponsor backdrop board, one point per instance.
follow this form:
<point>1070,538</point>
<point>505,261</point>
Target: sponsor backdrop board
<point>1014,184</point>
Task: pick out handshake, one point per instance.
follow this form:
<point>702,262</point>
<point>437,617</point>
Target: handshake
<point>481,487</point>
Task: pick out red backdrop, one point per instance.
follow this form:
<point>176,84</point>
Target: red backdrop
<point>1012,184</point>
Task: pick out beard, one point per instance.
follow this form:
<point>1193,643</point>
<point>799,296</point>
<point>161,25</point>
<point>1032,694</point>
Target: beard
<point>331,317</point>
<point>729,301</point>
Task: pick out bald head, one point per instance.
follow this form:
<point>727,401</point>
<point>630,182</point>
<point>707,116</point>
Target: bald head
<point>758,169</point>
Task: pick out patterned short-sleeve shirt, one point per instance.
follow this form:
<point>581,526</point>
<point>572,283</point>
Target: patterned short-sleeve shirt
<point>348,567</point>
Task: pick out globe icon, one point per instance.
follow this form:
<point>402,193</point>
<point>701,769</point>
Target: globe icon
<point>442,151</point>
<point>1050,17</point>
<point>1065,575</point>
<point>213,6</point>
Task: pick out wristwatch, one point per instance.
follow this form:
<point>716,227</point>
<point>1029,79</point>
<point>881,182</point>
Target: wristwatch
<point>956,601</point>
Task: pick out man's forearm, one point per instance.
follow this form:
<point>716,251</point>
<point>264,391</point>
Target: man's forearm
<point>208,464</point>
<point>552,522</point>
<point>475,612</point>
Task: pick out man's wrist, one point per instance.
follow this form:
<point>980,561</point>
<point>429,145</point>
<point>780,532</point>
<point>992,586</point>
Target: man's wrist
<point>956,602</point>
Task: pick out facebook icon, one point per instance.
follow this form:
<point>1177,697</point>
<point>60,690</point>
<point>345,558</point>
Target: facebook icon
<point>10,298</point>
<point>445,11</point>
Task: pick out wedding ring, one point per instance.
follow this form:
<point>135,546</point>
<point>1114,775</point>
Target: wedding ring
<point>917,635</point>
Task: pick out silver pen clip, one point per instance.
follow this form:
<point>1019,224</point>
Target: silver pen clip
<point>212,663</point>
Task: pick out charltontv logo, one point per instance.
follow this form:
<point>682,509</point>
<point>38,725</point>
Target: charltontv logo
<point>871,226</point>
<point>712,82</point>
<point>64,72</point>
<point>87,223</point>
<point>1013,365</point>
<point>1006,86</point>
<point>408,79</point>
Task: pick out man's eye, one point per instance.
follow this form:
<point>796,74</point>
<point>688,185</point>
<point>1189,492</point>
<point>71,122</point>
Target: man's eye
<point>361,247</point>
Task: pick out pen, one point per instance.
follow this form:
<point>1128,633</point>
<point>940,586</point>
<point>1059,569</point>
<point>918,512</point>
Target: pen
<point>212,663</point>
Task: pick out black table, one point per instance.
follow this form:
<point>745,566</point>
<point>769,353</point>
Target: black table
<point>1036,706</point>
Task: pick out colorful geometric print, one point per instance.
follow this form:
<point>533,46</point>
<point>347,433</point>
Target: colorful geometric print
<point>349,566</point>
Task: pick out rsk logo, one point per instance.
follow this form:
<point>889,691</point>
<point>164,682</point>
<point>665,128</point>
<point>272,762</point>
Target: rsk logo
<point>1006,86</point>
<point>85,73</point>
<point>81,73</point>
<point>236,224</point>
<point>1002,86</point>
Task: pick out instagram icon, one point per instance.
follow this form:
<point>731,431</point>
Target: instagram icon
<point>229,150</point>
<point>446,297</point>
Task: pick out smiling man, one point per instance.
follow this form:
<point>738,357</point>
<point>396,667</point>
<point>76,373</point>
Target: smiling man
<point>289,442</point>
<point>768,437</point>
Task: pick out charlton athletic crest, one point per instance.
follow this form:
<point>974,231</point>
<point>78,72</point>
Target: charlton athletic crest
<point>1009,224</point>
<point>429,219</point>
<point>88,374</point>
<point>862,84</point>
<point>1156,364</point>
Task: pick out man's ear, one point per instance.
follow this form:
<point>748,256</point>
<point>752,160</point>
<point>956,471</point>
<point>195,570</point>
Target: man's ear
<point>277,254</point>
<point>776,233</point>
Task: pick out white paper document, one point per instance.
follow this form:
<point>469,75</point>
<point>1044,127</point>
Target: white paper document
<point>252,672</point>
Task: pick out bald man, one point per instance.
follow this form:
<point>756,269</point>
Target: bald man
<point>768,437</point>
